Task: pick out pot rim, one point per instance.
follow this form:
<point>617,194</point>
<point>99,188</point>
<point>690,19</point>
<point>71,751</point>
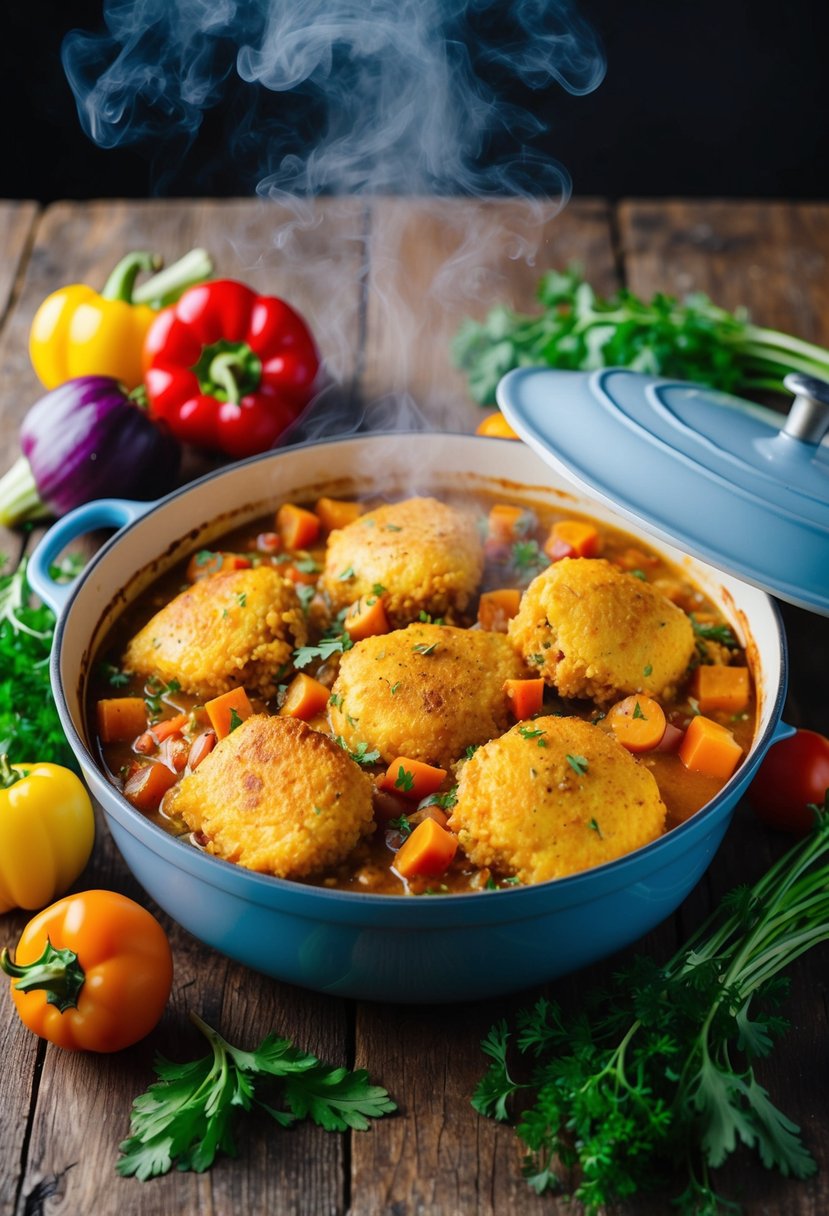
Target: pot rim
<point>216,869</point>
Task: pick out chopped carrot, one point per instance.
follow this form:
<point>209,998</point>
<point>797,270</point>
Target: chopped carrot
<point>525,697</point>
<point>120,719</point>
<point>228,711</point>
<point>366,618</point>
<point>635,559</point>
<point>305,698</point>
<point>207,562</point>
<point>145,744</point>
<point>638,722</point>
<point>496,608</point>
<point>709,748</point>
<point>508,524</point>
<point>495,426</point>
<point>174,752</point>
<point>297,527</point>
<point>337,513</point>
<point>572,538</point>
<point>201,746</point>
<point>148,785</point>
<point>428,812</point>
<point>412,778</point>
<point>169,727</point>
<point>429,851</point>
<point>719,687</point>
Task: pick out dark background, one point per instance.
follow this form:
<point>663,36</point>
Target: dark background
<point>705,98</point>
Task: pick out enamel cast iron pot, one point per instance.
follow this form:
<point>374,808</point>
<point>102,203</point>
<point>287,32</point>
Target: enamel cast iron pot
<point>392,948</point>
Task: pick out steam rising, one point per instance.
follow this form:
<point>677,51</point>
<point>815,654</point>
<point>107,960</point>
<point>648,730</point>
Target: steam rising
<point>345,98</point>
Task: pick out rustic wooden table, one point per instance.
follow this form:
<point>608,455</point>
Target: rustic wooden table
<point>385,284</point>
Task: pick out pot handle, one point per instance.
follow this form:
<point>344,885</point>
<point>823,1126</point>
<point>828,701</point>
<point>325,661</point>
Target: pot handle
<point>782,730</point>
<point>101,513</point>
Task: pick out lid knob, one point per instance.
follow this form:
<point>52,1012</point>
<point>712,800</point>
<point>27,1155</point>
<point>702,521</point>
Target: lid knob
<point>808,418</point>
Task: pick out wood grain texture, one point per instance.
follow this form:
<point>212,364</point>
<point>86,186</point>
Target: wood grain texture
<point>771,258</point>
<point>433,262</point>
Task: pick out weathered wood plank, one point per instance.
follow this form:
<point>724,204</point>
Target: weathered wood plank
<point>82,1102</point>
<point>17,224</point>
<point>430,264</point>
<point>433,262</point>
<point>772,259</point>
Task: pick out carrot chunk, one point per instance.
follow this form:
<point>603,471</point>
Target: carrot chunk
<point>709,748</point>
<point>121,718</point>
<point>497,608</point>
<point>429,851</point>
<point>638,722</point>
<point>572,538</point>
<point>305,698</point>
<point>169,726</point>
<point>366,618</point>
<point>337,512</point>
<point>496,427</point>
<point>525,697</point>
<point>508,524</point>
<point>719,687</point>
<point>412,778</point>
<point>148,785</point>
<point>297,527</point>
<point>228,711</point>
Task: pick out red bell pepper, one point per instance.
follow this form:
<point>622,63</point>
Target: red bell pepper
<point>228,369</point>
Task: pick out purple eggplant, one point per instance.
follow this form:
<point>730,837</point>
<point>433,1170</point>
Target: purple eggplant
<point>86,439</point>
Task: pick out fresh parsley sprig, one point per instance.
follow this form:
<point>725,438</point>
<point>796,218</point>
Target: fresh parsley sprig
<point>660,1074</point>
<point>692,339</point>
<point>186,1117</point>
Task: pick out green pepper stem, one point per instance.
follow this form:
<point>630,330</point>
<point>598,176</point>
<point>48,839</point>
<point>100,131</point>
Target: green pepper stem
<point>121,283</point>
<point>8,775</point>
<point>57,972</point>
<point>19,499</point>
<point>166,286</point>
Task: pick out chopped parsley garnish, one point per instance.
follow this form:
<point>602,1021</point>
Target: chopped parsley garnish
<point>155,691</point>
<point>378,589</point>
<point>391,528</point>
<point>444,801</point>
<point>423,648</point>
<point>204,556</point>
<point>324,650</point>
<point>577,763</point>
<point>305,593</point>
<point>404,779</point>
<point>714,633</point>
<point>336,700</point>
<point>640,574</point>
<point>401,825</point>
<point>361,754</point>
<point>647,670</point>
<point>346,574</point>
<point>235,721</point>
<point>470,751</point>
<point>527,732</point>
<point>537,660</point>
<point>637,712</point>
<point>594,827</point>
<point>242,599</point>
<point>114,676</point>
<point>528,558</point>
<point>307,565</point>
<point>317,809</point>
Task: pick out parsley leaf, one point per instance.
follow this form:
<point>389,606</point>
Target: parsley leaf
<point>714,633</point>
<point>577,763</point>
<point>360,754</point>
<point>186,1117</point>
<point>423,648</point>
<point>404,780</point>
<point>527,732</point>
<point>401,825</point>
<point>324,650</point>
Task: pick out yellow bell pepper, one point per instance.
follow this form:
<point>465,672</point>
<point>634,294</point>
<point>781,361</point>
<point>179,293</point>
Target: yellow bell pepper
<point>47,828</point>
<point>77,331</point>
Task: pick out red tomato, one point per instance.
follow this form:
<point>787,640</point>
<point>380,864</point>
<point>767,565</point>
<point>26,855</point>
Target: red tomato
<point>794,773</point>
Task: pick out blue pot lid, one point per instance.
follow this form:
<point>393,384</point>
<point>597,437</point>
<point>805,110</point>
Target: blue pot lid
<point>710,473</point>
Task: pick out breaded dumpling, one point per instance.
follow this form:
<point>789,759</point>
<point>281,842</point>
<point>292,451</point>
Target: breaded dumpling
<point>592,631</point>
<point>426,692</point>
<point>426,555</point>
<point>278,797</point>
<point>238,627</point>
<point>554,796</point>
